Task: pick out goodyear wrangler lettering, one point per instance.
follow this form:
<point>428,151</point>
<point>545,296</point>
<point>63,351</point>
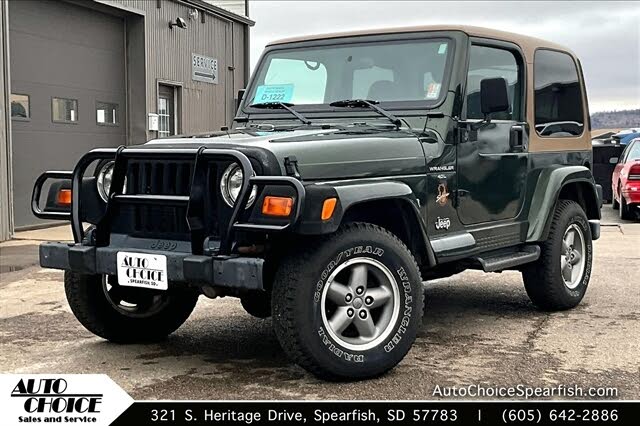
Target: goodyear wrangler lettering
<point>406,314</point>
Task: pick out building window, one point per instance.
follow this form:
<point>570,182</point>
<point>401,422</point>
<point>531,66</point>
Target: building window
<point>64,110</point>
<point>166,111</point>
<point>107,113</point>
<point>558,97</point>
<point>491,62</point>
<point>20,107</point>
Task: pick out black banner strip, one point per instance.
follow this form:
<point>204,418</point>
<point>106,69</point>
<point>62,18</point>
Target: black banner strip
<point>194,413</point>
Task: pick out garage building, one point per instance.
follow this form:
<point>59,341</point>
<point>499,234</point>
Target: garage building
<point>83,74</point>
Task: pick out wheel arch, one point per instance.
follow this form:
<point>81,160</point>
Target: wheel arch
<point>389,204</point>
<point>574,183</point>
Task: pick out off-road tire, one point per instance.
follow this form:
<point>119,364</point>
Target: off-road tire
<point>92,308</point>
<point>542,279</point>
<point>257,305</point>
<point>625,211</point>
<point>297,295</point>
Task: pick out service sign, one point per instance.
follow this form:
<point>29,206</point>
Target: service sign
<point>204,68</point>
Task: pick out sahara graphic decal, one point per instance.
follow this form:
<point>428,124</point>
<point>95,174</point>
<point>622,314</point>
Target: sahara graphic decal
<point>443,194</point>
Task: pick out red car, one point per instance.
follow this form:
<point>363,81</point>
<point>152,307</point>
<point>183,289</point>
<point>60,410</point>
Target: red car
<point>625,182</point>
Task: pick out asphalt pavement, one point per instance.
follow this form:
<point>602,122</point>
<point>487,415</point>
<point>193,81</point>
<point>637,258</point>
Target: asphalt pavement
<point>478,329</point>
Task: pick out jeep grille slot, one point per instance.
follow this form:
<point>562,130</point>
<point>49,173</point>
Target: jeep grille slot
<point>159,178</point>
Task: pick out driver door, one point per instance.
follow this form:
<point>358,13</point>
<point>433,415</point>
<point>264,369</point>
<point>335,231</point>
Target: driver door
<point>492,163</point>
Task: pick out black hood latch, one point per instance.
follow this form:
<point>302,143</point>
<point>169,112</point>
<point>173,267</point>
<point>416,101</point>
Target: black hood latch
<point>291,167</point>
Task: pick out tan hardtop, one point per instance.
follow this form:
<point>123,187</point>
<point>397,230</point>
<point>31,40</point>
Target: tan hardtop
<point>526,43</point>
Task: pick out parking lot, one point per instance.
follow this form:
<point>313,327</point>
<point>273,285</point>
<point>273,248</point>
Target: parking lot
<point>478,329</point>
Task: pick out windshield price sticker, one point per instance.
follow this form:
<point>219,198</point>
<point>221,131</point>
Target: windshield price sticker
<point>433,90</point>
<point>442,49</point>
<point>273,93</point>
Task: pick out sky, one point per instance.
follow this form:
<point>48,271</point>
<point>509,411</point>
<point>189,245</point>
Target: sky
<point>605,35</point>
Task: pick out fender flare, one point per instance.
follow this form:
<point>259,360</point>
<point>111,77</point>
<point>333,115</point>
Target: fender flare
<point>351,194</point>
<point>549,184</point>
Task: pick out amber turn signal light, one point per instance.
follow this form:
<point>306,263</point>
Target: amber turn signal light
<point>64,197</point>
<point>277,206</point>
<point>328,207</point>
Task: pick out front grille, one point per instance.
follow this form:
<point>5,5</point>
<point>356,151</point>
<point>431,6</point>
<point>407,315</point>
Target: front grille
<point>166,222</point>
<point>156,178</point>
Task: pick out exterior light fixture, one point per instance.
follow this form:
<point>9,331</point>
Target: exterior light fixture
<point>179,22</point>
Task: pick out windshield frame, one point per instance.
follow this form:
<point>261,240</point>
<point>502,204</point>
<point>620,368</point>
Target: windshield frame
<point>408,105</point>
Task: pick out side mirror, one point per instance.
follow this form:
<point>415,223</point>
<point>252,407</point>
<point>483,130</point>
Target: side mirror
<point>613,160</point>
<point>239,98</point>
<point>494,96</point>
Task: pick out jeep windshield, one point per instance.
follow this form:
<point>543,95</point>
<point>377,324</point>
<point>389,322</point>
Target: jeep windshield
<point>394,74</point>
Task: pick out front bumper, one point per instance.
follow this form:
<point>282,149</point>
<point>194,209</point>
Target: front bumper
<point>223,271</point>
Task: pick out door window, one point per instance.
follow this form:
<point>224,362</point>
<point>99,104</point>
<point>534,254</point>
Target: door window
<point>166,111</point>
<point>558,96</point>
<point>491,62</point>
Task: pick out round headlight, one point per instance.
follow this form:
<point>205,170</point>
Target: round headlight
<point>104,180</point>
<point>231,183</point>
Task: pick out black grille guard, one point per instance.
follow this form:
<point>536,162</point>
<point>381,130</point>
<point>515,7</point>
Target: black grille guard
<point>194,202</point>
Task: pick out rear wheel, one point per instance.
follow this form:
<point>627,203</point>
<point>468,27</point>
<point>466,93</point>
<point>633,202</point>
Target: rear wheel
<point>126,314</point>
<point>559,279</point>
<point>625,211</point>
<point>350,307</point>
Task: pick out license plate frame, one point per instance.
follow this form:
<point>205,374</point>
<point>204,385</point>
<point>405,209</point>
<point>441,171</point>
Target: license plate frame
<point>142,270</point>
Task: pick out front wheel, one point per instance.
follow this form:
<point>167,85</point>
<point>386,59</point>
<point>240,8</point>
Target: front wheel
<point>126,314</point>
<point>350,307</point>
<point>559,279</point>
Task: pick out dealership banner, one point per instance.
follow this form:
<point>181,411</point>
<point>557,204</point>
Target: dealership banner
<point>96,399</point>
<point>379,413</point>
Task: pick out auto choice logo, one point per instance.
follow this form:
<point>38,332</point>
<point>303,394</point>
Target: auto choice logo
<point>48,396</point>
<point>69,398</point>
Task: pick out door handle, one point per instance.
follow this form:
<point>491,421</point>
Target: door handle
<point>517,136</point>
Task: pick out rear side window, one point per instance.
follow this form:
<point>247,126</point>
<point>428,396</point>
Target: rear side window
<point>558,98</point>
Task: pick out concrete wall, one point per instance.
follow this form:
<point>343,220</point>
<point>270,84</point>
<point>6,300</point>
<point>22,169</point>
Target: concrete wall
<point>6,217</point>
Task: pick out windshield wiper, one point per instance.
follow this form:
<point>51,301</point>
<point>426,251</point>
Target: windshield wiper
<point>371,104</point>
<point>282,105</point>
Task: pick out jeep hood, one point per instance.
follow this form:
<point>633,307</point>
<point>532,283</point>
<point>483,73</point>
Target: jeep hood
<point>322,154</point>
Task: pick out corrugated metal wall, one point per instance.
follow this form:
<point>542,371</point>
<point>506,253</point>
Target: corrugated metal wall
<point>5,157</point>
<point>166,58</point>
<point>205,106</point>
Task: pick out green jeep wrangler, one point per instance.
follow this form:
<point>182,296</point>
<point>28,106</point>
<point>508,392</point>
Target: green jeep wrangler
<point>359,165</point>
